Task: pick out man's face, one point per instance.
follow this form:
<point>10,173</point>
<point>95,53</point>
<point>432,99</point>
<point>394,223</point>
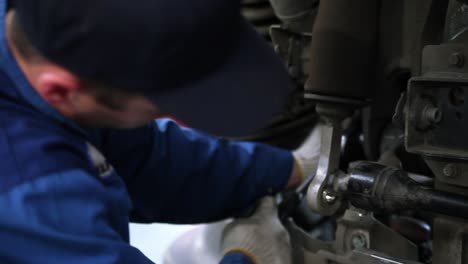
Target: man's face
<point>69,96</point>
<point>132,111</point>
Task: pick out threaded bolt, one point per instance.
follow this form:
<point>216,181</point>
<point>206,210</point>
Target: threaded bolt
<point>432,114</point>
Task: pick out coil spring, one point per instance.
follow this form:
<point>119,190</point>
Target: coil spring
<point>260,14</point>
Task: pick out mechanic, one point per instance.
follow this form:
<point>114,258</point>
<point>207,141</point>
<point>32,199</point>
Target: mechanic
<point>81,85</point>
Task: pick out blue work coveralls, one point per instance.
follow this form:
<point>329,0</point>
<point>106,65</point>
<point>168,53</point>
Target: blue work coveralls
<point>67,193</point>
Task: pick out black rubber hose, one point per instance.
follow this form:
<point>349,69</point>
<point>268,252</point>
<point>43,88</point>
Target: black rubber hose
<point>446,204</point>
<point>375,187</point>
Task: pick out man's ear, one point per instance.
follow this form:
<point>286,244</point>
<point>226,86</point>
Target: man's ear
<point>57,87</point>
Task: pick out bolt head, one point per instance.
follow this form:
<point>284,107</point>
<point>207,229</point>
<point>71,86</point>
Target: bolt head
<point>433,114</point>
<point>329,197</point>
<point>457,59</point>
<point>450,170</point>
<point>294,71</point>
<point>358,241</point>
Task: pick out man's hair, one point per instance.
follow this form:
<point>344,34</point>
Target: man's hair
<point>104,94</point>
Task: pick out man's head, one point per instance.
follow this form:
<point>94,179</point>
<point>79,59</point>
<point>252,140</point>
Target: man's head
<point>97,60</point>
<point>87,102</point>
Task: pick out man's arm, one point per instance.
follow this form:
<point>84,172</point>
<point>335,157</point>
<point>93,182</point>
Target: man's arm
<point>178,175</point>
<point>70,217</point>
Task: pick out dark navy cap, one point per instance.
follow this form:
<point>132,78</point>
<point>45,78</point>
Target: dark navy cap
<point>199,61</point>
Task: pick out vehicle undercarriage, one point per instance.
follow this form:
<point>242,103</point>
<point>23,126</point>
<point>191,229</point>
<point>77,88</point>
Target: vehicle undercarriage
<point>389,81</point>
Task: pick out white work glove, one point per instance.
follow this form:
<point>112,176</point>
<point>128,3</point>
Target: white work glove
<point>307,155</point>
<point>260,237</point>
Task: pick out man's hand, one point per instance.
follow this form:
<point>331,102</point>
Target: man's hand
<point>306,158</point>
<point>260,237</point>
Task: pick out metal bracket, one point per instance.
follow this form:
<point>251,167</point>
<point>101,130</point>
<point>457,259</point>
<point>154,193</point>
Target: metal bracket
<point>320,195</point>
<point>437,104</point>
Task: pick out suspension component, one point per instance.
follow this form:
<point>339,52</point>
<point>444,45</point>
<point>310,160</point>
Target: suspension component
<point>320,194</point>
<point>343,52</point>
<point>375,187</point>
<point>344,49</point>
